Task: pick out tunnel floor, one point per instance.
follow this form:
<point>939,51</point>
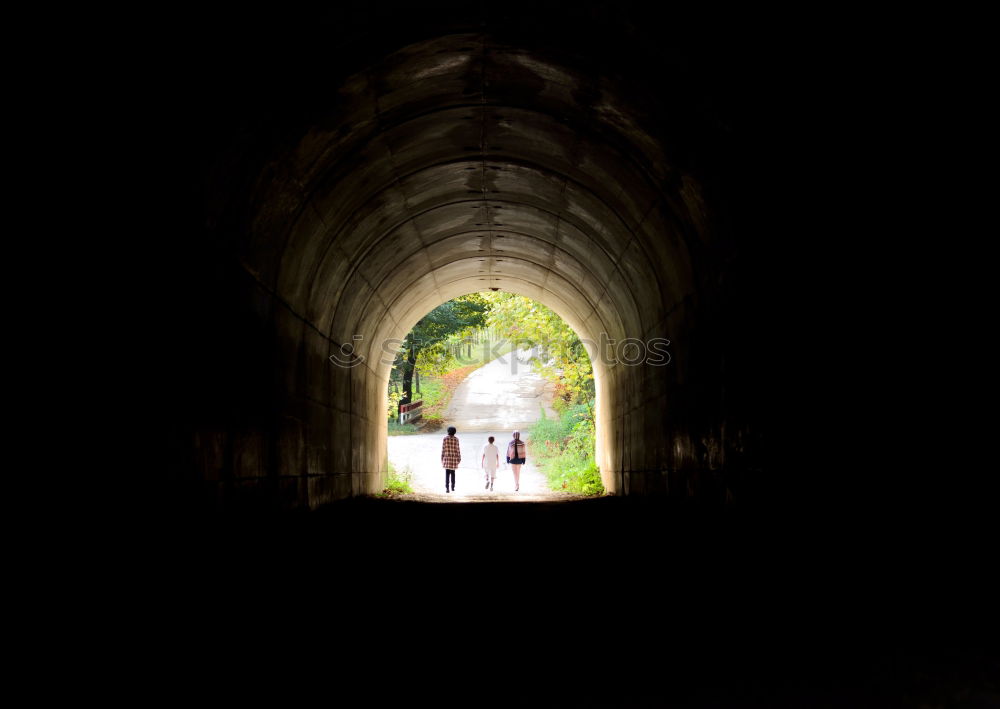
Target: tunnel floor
<point>607,601</point>
<point>421,453</point>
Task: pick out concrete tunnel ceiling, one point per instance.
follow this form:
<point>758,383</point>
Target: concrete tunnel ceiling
<point>452,165</point>
<point>459,165</point>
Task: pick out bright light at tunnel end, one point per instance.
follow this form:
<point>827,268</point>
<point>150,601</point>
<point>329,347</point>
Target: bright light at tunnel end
<point>630,352</point>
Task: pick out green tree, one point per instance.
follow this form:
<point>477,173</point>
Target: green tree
<point>455,316</point>
<point>532,324</point>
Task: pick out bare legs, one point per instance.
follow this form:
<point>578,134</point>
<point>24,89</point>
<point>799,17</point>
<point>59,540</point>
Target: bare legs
<point>516,469</point>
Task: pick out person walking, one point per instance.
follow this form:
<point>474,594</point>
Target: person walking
<point>490,461</point>
<point>451,456</point>
<point>516,455</point>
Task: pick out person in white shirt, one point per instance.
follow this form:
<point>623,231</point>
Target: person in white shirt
<point>490,462</point>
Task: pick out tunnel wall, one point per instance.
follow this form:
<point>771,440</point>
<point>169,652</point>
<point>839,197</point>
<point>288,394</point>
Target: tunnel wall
<point>458,162</point>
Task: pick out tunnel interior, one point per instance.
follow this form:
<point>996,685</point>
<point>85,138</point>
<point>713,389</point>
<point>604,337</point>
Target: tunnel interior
<point>312,177</point>
<point>340,189</point>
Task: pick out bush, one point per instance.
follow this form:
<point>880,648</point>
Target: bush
<point>564,448</point>
<point>398,483</point>
<point>547,431</point>
<point>574,474</point>
<point>393,406</point>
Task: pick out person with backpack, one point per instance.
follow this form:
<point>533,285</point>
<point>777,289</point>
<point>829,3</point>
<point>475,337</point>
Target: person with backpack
<point>516,455</point>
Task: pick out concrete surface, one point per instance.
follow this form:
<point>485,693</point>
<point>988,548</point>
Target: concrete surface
<point>422,455</point>
<point>501,396</point>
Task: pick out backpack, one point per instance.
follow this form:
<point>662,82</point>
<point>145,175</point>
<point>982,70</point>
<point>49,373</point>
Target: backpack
<point>513,447</point>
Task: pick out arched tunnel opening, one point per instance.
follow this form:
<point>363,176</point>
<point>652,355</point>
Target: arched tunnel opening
<point>495,364</point>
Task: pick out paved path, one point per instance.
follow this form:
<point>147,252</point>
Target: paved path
<point>497,398</point>
<point>500,397</point>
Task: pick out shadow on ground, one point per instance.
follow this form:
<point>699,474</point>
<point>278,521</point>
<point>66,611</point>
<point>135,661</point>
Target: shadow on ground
<point>611,601</point>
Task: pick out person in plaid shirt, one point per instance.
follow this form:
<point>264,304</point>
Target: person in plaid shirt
<point>451,456</point>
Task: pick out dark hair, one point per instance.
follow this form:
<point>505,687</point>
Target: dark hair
<point>491,439</point>
<point>451,430</point>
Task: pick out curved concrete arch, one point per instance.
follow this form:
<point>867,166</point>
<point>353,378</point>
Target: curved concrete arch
<point>471,246</point>
<point>451,165</point>
<point>491,277</point>
<point>583,221</point>
<point>471,137</point>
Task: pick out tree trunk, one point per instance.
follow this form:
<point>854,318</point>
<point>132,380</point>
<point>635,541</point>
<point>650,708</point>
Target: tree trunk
<point>408,366</point>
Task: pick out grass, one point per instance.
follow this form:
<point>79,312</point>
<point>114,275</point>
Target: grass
<point>430,391</point>
<point>573,474</point>
<point>446,386</point>
<point>436,393</point>
<point>397,483</point>
<point>564,449</point>
<point>404,429</point>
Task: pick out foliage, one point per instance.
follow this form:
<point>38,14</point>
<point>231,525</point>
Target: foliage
<point>547,433</point>
<point>456,316</point>
<point>574,474</point>
<point>530,324</point>
<point>438,346</point>
<point>431,391</point>
<point>454,351</point>
<point>436,393</point>
<point>393,407</point>
<point>435,360</point>
<point>398,483</point>
<point>564,449</point>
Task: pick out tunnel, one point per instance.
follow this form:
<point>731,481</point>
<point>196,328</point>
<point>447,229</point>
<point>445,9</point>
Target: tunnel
<point>345,183</point>
<point>310,182</point>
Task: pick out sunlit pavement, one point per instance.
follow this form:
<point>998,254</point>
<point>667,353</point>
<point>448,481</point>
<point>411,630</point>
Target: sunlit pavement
<point>422,454</point>
<point>501,396</point>
<point>496,399</point>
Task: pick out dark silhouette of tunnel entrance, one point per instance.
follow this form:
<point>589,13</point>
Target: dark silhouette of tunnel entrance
<point>459,161</point>
<point>325,175</point>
